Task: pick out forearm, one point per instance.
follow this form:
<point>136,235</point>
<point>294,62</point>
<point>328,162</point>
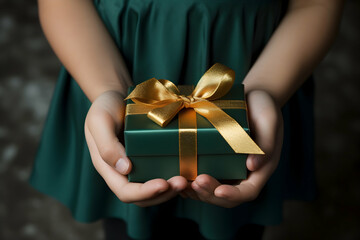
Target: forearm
<point>296,47</point>
<point>82,43</point>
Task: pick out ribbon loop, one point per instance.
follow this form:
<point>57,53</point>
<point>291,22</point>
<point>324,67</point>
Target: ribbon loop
<point>215,83</point>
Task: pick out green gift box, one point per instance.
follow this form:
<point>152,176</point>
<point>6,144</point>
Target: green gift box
<point>154,150</point>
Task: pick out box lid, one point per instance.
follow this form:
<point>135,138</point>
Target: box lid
<point>144,137</point>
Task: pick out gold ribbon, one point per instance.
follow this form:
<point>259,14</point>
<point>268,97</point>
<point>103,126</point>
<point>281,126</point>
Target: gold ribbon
<point>162,101</point>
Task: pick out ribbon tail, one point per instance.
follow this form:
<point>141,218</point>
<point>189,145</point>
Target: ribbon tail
<point>230,130</point>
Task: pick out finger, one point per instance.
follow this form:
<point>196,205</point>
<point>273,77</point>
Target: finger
<point>254,162</point>
<point>192,194</point>
<point>206,182</point>
<point>102,127</point>
<point>210,197</point>
<point>244,192</point>
<point>186,193</point>
<point>125,191</point>
<point>177,184</point>
<point>204,186</point>
<point>250,188</point>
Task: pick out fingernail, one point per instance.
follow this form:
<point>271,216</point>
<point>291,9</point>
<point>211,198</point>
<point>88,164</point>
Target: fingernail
<point>122,165</point>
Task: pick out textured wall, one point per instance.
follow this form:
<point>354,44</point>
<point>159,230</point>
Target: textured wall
<point>28,71</point>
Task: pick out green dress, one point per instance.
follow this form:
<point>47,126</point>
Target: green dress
<point>176,40</point>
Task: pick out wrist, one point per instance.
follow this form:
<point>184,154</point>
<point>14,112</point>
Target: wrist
<point>110,94</point>
<point>116,89</point>
<point>280,91</point>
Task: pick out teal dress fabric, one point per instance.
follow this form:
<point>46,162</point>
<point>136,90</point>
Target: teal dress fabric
<point>176,40</point>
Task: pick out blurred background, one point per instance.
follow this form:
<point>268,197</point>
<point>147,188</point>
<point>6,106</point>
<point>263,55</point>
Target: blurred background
<point>28,71</point>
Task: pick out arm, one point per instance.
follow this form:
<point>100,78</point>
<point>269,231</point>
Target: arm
<point>83,45</point>
<point>296,47</point>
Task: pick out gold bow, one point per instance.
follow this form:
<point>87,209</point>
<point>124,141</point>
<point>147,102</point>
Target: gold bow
<point>162,102</point>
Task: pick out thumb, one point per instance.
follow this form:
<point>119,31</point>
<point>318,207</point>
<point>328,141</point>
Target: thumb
<point>102,128</point>
<point>265,122</point>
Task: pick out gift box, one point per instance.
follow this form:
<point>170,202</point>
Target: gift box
<point>188,144</point>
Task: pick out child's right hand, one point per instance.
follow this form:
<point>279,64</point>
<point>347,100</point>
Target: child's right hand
<point>103,123</point>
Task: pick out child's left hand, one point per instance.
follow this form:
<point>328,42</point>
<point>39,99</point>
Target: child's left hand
<point>267,130</point>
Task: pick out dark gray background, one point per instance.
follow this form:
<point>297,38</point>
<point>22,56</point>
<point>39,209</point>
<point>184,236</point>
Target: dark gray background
<point>28,71</point>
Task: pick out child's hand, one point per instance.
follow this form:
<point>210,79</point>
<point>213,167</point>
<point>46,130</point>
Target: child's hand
<point>103,122</point>
<point>267,129</point>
